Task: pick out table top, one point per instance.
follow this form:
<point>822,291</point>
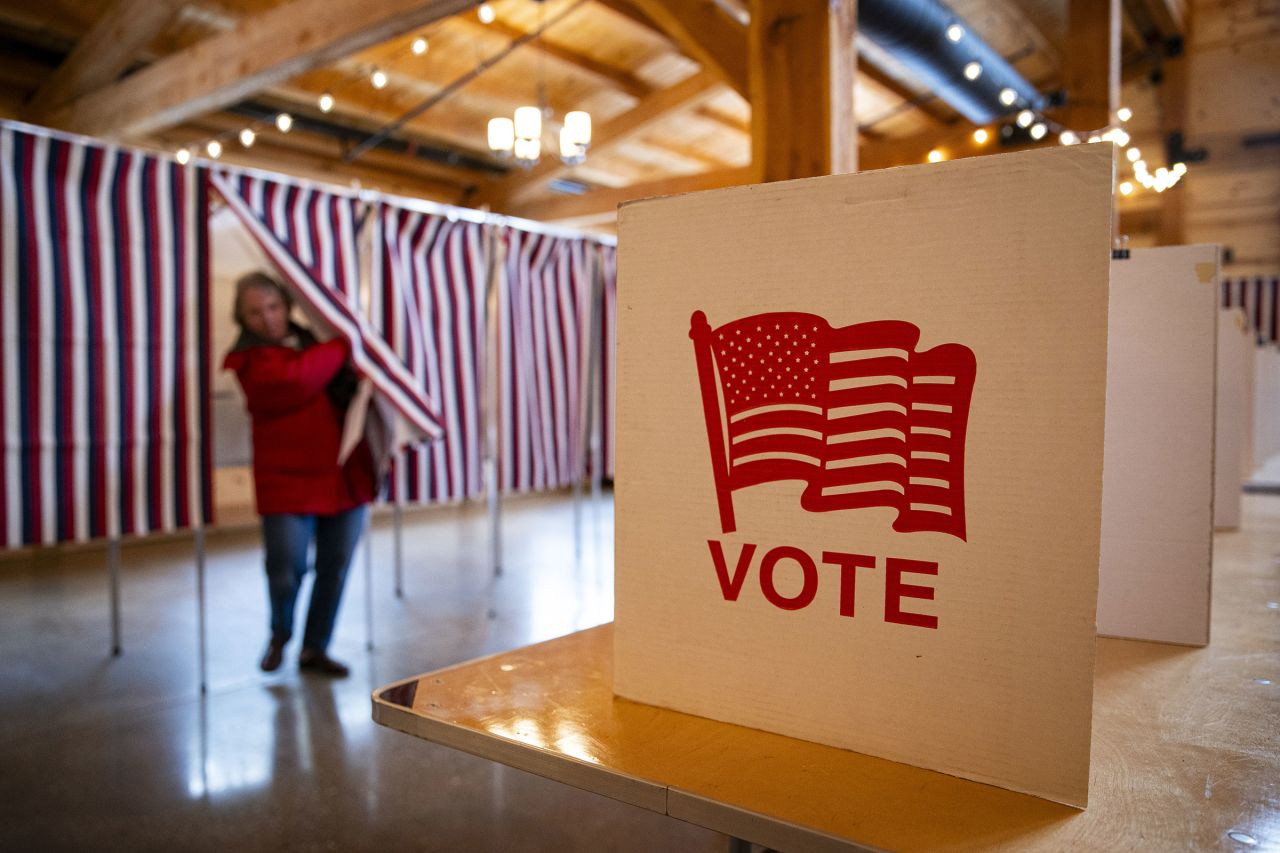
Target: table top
<point>1186,744</point>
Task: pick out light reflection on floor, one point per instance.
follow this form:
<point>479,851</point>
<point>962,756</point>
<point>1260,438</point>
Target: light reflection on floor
<point>102,753</point>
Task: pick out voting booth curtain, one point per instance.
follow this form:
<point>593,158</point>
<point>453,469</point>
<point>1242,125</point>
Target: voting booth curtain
<point>1259,298</point>
<point>103,342</point>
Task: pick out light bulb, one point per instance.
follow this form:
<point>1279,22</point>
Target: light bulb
<point>1068,137</point>
<point>1038,130</point>
<point>1126,188</point>
<point>419,46</point>
<point>935,156</point>
<point>284,122</point>
<point>1119,137</point>
<point>1124,113</point>
<point>1179,169</point>
<point>973,71</point>
<point>1025,118</point>
<point>572,152</point>
<point>528,123</point>
<point>326,102</point>
<point>213,149</point>
<point>955,32</point>
<point>247,136</point>
<point>183,156</point>
<point>486,13</point>
<point>1133,154</point>
<point>1008,96</point>
<point>578,124</point>
<point>1093,137</point>
<point>502,135</point>
<point>981,136</point>
<point>378,78</point>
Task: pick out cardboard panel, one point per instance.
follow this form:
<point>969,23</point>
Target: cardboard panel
<point>1235,375</point>
<point>1157,496</point>
<point>1266,410</point>
<point>878,527</point>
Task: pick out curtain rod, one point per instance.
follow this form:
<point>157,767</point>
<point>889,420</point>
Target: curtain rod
<point>420,205</point>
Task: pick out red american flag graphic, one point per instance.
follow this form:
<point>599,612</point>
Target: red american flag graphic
<point>855,412</point>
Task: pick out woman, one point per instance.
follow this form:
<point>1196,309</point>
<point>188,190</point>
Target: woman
<point>297,391</point>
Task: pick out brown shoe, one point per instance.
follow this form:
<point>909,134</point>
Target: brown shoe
<point>322,663</point>
<point>274,655</point>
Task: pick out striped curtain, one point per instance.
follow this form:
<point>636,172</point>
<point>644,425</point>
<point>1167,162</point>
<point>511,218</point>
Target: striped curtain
<point>1259,298</point>
<point>608,259</point>
<point>311,237</point>
<point>543,313</point>
<point>428,302</point>
<point>103,342</point>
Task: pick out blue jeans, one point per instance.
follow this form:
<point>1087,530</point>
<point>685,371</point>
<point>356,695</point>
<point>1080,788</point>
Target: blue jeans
<point>286,538</point>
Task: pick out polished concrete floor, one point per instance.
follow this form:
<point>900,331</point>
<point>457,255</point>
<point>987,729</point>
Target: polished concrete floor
<point>101,752</point>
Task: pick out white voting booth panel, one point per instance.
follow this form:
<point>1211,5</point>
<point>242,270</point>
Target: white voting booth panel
<point>1157,495</point>
<point>859,460</point>
<point>1266,407</point>
<point>1234,417</point>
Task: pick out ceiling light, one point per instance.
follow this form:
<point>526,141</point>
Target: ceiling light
<point>183,156</point>
<point>378,78</point>
<point>1133,154</point>
<point>1025,118</point>
<point>935,156</point>
<point>973,71</point>
<point>1126,188</point>
<point>213,149</point>
<point>326,102</point>
<point>284,122</point>
<point>419,46</point>
<point>247,137</point>
<point>981,136</point>
<point>1008,96</point>
<point>1068,137</point>
<point>1124,113</point>
<point>955,32</point>
<point>486,13</point>
<point>1038,130</point>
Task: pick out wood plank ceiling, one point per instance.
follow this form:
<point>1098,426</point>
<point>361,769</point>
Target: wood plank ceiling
<point>662,79</point>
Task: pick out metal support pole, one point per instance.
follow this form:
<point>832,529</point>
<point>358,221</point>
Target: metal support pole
<point>492,396</point>
<point>113,573</point>
<point>368,583</point>
<point>399,548</point>
<point>201,607</point>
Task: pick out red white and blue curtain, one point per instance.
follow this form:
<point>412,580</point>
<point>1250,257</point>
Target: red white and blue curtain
<point>608,260</point>
<point>312,236</point>
<point>104,374</point>
<point>1259,298</point>
<point>428,302</point>
<point>544,315</point>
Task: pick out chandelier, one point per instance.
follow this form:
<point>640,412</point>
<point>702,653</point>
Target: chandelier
<point>520,137</point>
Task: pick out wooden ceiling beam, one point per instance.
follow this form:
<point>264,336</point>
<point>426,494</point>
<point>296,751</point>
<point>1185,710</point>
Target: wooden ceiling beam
<point>507,192</point>
<point>123,31</point>
<point>261,51</point>
<point>802,65</point>
<point>614,77</point>
<point>703,31</point>
<point>597,202</point>
<point>1092,63</point>
<point>927,104</point>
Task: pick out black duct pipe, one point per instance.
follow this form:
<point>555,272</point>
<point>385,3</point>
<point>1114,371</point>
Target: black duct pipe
<point>915,33</point>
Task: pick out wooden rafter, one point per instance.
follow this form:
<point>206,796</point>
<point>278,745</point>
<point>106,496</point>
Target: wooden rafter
<point>927,104</point>
<point>102,54</point>
<point>506,192</point>
<point>615,77</point>
<point>604,201</point>
<point>703,31</point>
<point>261,51</point>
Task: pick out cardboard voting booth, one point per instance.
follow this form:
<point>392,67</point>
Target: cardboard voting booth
<point>1234,417</point>
<point>1157,493</point>
<point>859,460</point>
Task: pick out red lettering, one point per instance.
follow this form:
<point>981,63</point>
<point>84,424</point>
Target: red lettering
<point>895,590</point>
<point>807,591</point>
<point>849,565</point>
<point>731,586</point>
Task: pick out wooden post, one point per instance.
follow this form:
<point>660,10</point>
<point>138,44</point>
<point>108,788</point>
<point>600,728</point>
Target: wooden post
<point>1092,63</point>
<point>1170,227</point>
<point>801,66</point>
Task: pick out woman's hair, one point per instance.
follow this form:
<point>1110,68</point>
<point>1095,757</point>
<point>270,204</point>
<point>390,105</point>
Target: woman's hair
<point>258,280</point>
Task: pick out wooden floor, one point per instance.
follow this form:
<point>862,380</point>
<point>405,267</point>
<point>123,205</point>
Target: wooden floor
<point>101,753</point>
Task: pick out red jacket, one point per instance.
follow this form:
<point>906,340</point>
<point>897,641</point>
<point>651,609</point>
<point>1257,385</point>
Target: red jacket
<point>297,430</point>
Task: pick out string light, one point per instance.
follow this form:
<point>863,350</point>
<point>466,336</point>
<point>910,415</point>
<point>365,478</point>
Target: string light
<point>378,78</point>
<point>1133,154</point>
<point>213,149</point>
<point>1008,96</point>
<point>419,46</point>
<point>486,13</point>
<point>1068,137</point>
<point>247,137</point>
<point>284,122</point>
<point>1038,130</point>
<point>981,136</point>
<point>1025,118</point>
<point>973,71</point>
<point>955,32</point>
<point>1124,113</point>
<point>935,156</point>
<point>326,102</point>
<point>1126,188</point>
<point>183,156</point>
